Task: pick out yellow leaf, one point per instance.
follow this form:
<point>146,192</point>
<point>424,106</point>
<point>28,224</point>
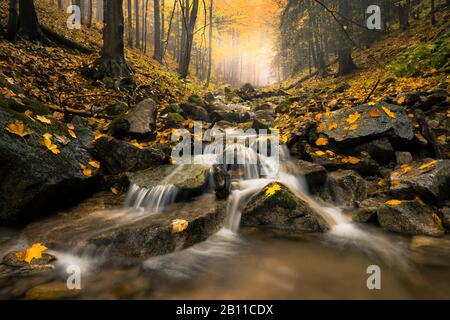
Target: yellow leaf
<point>401,101</point>
<point>18,127</point>
<point>353,127</point>
<point>136,144</point>
<point>114,190</point>
<point>46,141</point>
<point>375,113</point>
<point>427,165</point>
<point>270,191</point>
<point>320,153</point>
<point>34,252</point>
<point>87,172</point>
<point>353,160</point>
<point>94,164</point>
<point>393,202</point>
<point>406,168</point>
<point>322,142</point>
<point>442,138</point>
<point>437,220</point>
<point>353,117</point>
<point>388,112</point>
<point>179,225</point>
<point>320,128</point>
<point>332,126</point>
<point>72,133</point>
<point>283,139</point>
<point>43,119</point>
<point>371,103</point>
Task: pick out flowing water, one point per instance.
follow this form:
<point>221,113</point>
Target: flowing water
<point>247,263</point>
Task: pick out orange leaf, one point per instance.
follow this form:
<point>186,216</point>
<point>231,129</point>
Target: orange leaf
<point>322,142</point>
<point>375,113</point>
<point>388,112</point>
<point>393,202</point>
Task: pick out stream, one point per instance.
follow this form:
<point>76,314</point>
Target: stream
<point>235,262</point>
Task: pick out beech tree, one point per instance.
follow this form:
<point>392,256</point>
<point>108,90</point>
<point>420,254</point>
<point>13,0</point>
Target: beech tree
<point>25,23</point>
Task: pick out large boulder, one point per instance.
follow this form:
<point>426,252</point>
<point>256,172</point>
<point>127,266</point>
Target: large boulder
<point>132,235</point>
<point>429,178</point>
<point>142,118</point>
<point>410,217</point>
<point>263,119</point>
<point>233,117</point>
<point>352,126</point>
<point>380,150</point>
<point>119,156</point>
<point>364,165</point>
<point>32,177</point>
<point>276,207</point>
<point>346,187</point>
<point>189,180</point>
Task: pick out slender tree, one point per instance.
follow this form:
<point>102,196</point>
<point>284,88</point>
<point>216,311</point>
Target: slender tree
<point>130,23</point>
<point>12,21</point>
<point>211,10</point>
<point>157,32</point>
<point>183,68</point>
<point>346,64</point>
<point>136,12</point>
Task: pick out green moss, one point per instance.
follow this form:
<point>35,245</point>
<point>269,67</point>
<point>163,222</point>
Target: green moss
<point>27,104</point>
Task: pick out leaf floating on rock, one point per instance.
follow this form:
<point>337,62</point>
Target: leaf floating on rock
<point>401,101</point>
<point>371,103</point>
<point>18,128</point>
<point>46,141</point>
<point>393,202</point>
<point>43,119</point>
<point>34,252</point>
<point>72,133</point>
<point>389,113</point>
<point>320,153</point>
<point>353,117</point>
<point>375,113</point>
<point>86,171</point>
<point>353,160</point>
<point>270,191</point>
<point>427,165</point>
<point>94,164</point>
<point>322,142</point>
<point>332,126</point>
<point>179,225</point>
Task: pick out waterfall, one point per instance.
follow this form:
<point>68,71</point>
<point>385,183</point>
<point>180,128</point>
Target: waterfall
<point>153,200</point>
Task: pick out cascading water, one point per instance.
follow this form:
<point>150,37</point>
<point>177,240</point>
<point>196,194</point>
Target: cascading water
<point>153,200</point>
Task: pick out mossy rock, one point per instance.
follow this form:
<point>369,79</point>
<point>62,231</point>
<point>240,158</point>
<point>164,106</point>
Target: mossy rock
<point>26,104</point>
<point>276,207</point>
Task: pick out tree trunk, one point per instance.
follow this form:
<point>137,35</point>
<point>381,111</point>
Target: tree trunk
<point>130,23</point>
<point>113,58</point>
<point>11,33</point>
<point>157,32</point>
<point>60,4</point>
<point>163,23</point>
<point>28,22</point>
<point>91,8</point>
<point>346,64</point>
<point>433,13</point>
<point>186,58</point>
<point>403,15</point>
<point>208,75</point>
<point>136,11</point>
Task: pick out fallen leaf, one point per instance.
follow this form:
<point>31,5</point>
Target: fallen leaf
<point>72,133</point>
<point>427,165</point>
<point>270,191</point>
<point>353,117</point>
<point>94,164</point>
<point>136,144</point>
<point>353,127</point>
<point>43,119</point>
<point>179,225</point>
<point>353,160</point>
<point>437,220</point>
<point>46,141</point>
<point>87,172</point>
<point>62,139</point>
<point>320,153</point>
<point>375,113</point>
<point>442,138</point>
<point>388,112</point>
<point>322,142</point>
<point>371,103</point>
<point>18,128</point>
<point>34,252</point>
<point>332,126</point>
<point>114,190</point>
<point>401,101</point>
<point>393,202</point>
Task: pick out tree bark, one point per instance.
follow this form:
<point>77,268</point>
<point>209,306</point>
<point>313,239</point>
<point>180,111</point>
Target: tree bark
<point>29,23</point>
<point>346,64</point>
<point>130,23</point>
<point>157,32</point>
<point>208,75</point>
<point>113,58</point>
<point>11,32</point>
<point>433,13</point>
<point>136,11</point>
<point>186,58</point>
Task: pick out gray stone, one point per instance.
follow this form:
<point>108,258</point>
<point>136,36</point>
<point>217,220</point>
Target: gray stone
<point>346,187</point>
<point>410,217</point>
<point>403,157</point>
<point>142,118</point>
